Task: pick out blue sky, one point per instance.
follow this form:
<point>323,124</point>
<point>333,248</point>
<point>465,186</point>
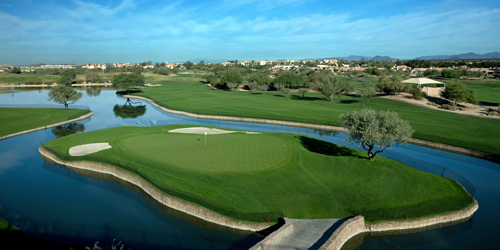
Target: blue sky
<point>71,31</point>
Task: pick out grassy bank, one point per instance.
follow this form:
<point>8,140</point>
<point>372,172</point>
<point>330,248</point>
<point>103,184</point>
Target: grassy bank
<point>4,225</point>
<point>252,177</point>
<point>20,119</point>
<point>189,94</point>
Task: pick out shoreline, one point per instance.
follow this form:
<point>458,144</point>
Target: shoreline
<point>212,217</point>
<point>83,117</point>
<point>440,146</point>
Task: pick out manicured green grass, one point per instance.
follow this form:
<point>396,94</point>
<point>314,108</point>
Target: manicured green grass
<point>255,176</point>
<point>4,225</point>
<point>487,90</point>
<point>15,120</point>
<point>189,94</point>
<point>22,78</point>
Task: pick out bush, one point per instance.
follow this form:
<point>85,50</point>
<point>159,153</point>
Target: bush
<point>432,104</point>
<point>461,108</point>
<point>418,94</point>
<point>253,86</point>
<point>492,111</point>
<point>446,106</point>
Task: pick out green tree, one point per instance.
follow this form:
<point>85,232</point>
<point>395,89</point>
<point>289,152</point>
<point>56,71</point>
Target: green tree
<point>64,95</point>
<point>330,85</point>
<point>15,70</point>
<point>375,129</point>
<point>188,65</point>
<point>260,78</point>
<point>367,91</point>
<point>290,79</point>
<point>392,85</point>
<point>231,76</point>
<point>92,76</point>
<point>458,92</point>
<point>110,66</point>
<point>67,77</point>
<point>432,73</point>
<point>137,69</point>
<point>127,81</point>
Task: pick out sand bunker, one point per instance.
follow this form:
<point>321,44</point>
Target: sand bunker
<point>200,131</point>
<point>88,148</point>
<point>253,133</point>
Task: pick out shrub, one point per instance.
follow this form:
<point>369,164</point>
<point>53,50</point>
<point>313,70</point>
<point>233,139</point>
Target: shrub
<point>461,108</point>
<point>492,111</point>
<point>262,88</point>
<point>432,104</point>
<point>418,94</point>
<point>303,91</point>
<point>446,106</point>
<point>253,86</point>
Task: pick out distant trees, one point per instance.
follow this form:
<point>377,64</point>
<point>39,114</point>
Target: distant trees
<point>458,92</point>
<point>290,79</point>
<point>64,95</point>
<point>92,76</point>
<point>260,78</point>
<point>432,73</point>
<point>67,77</point>
<point>330,85</point>
<point>188,65</point>
<point>373,71</point>
<point>367,91</point>
<point>392,85</point>
<point>231,76</point>
<point>127,81</point>
<point>15,70</point>
<point>450,73</point>
<point>162,71</point>
<point>371,129</point>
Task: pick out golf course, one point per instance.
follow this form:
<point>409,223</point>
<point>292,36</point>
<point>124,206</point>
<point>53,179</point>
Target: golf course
<point>250,177</point>
<point>20,119</point>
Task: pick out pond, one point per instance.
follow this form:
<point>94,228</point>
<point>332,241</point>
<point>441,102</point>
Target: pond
<point>52,202</point>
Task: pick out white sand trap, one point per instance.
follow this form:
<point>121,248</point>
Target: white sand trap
<point>253,133</point>
<point>200,131</point>
<point>88,148</point>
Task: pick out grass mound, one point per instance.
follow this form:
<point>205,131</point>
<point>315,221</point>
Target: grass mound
<point>252,177</point>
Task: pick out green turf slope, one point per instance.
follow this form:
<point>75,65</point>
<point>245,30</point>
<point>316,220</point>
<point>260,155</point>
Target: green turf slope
<point>254,176</point>
<point>15,120</point>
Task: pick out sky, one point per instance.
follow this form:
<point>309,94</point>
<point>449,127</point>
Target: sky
<point>133,31</point>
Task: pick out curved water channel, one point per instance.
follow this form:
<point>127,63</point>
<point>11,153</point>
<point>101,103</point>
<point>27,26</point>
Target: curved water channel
<point>52,202</point>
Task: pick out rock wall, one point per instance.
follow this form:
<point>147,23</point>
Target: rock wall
<point>347,230</point>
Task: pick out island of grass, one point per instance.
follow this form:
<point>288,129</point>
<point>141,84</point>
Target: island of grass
<point>252,176</point>
<point>16,120</point>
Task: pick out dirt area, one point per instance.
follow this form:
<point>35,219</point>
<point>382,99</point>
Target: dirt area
<point>470,109</point>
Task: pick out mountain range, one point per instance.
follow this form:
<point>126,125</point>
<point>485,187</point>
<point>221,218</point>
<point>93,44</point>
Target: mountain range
<point>470,55</point>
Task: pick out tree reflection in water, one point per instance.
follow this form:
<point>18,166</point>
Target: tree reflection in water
<point>93,91</point>
<point>68,129</point>
<point>129,111</point>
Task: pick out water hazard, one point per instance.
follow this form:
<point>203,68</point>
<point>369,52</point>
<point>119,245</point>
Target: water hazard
<point>52,202</point>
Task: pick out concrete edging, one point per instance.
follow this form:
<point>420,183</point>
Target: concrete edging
<point>313,126</point>
<point>357,225</point>
<point>48,126</point>
<point>167,200</point>
<point>274,236</point>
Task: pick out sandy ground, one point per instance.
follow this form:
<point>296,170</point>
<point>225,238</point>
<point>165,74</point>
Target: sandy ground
<point>202,130</point>
<point>88,148</point>
<point>470,109</point>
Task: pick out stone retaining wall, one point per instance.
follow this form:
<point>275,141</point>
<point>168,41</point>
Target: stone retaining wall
<point>356,226</point>
<point>316,126</point>
<point>273,237</point>
<point>48,126</point>
<point>152,191</point>
<point>424,222</point>
<point>347,230</point>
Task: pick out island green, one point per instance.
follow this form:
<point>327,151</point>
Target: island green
<point>251,177</point>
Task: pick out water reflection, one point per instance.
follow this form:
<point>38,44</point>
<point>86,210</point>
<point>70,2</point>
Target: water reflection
<point>93,91</point>
<point>128,111</point>
<point>68,129</point>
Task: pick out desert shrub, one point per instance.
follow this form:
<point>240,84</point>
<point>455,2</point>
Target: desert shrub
<point>303,91</point>
<point>262,88</point>
<point>492,111</point>
<point>446,106</point>
<point>418,94</point>
<point>231,85</point>
<point>253,86</point>
<point>461,108</point>
<point>432,104</point>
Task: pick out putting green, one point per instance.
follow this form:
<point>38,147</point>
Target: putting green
<point>188,151</point>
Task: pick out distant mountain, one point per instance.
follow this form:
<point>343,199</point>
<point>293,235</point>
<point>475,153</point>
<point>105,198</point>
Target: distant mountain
<point>470,55</point>
<point>382,58</point>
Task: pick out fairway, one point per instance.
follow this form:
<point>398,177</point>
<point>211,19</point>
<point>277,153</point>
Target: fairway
<point>251,177</point>
<point>19,119</point>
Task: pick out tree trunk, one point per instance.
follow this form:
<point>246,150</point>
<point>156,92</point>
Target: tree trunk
<point>66,105</point>
<point>371,155</point>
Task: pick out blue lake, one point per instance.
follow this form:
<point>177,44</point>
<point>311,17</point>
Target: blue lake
<point>52,202</point>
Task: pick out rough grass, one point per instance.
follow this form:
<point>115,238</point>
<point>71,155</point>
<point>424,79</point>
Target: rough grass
<point>189,94</point>
<point>15,120</point>
<point>252,177</point>
<point>8,78</point>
